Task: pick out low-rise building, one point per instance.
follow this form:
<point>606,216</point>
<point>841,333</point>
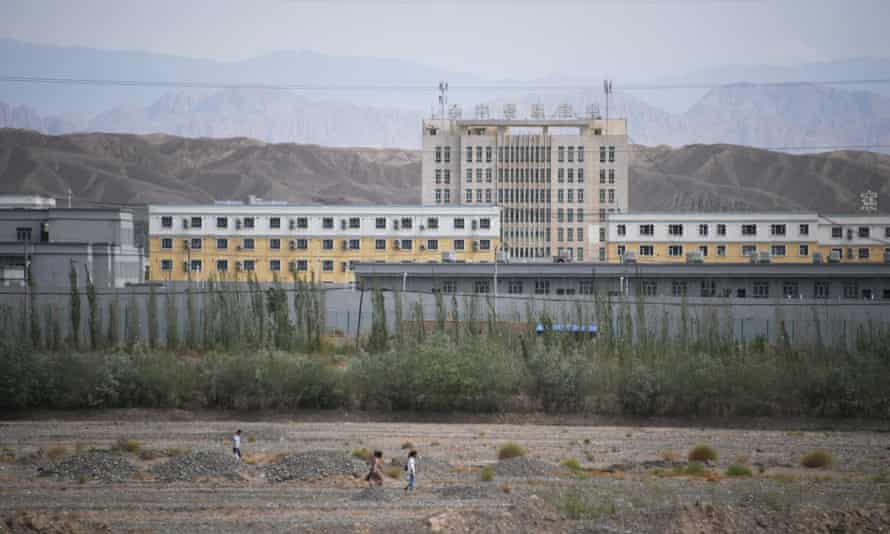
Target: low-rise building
<point>276,240</point>
<point>745,237</point>
<point>36,235</point>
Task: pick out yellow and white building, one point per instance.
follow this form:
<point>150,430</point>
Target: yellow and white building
<point>745,237</point>
<point>232,241</point>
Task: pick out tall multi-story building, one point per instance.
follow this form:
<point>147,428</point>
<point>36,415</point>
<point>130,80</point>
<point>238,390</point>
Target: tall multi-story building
<point>744,237</point>
<point>556,180</point>
<point>38,237</point>
<point>269,240</point>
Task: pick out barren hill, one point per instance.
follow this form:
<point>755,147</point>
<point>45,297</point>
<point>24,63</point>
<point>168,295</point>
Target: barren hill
<point>140,169</point>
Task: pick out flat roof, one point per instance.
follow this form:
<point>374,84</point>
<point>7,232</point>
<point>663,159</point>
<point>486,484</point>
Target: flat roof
<point>439,209</point>
<point>594,270</point>
<point>534,122</point>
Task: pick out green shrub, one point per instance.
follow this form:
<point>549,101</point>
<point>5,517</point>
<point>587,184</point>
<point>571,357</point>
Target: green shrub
<point>695,469</point>
<point>817,459</point>
<point>703,453</point>
<point>571,464</point>
<point>56,453</point>
<point>511,450</point>
<point>738,470</point>
<point>579,505</point>
<point>393,471</point>
<point>362,454</point>
<point>487,474</point>
<point>127,445</point>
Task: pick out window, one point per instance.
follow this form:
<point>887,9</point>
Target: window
<point>561,154</point>
<point>302,265</point>
<point>837,232</point>
<point>804,229</point>
<point>585,287</point>
<point>249,222</point>
<point>650,288</point>
<point>302,244</point>
<point>438,196</point>
<point>380,244</point>
<point>488,175</point>
<point>777,229</point>
<point>864,253</point>
<point>560,215</point>
<point>748,250</point>
<point>355,222</point>
<point>407,223</point>
<point>447,178</point>
<point>459,223</point>
<point>165,243</point>
<point>275,222</point>
<point>560,175</point>
<point>570,195</point>
<point>327,244</point>
<point>488,155</point>
<point>478,154</point>
<point>612,154</point>
<point>448,196</point>
<point>327,223</point>
<point>678,288</point>
<point>611,196</point>
<point>222,222</point>
<point>790,290</point>
<point>197,243</point>
<point>571,154</point>
<point>327,266</point>
<point>703,229</point>
<point>703,249</point>
<point>820,290</point>
<point>777,250</point>
<point>646,229</point>
<point>580,154</point>
<point>708,288</point>
<point>803,250</point>
<point>166,265</point>
<point>196,222</point>
<point>485,223</point>
<point>542,287</point>
<point>620,250</point>
<point>864,231</point>
<point>488,196</point>
<point>570,175</point>
<point>458,244</point>
<point>622,230</point>
<point>248,244</point>
<point>602,176</point>
<point>579,215</point>
<point>449,286</point>
<point>481,286</point>
<point>355,244</point>
<point>478,195</point>
<point>647,250</point>
<point>167,222</point>
<point>447,154</point>
<point>675,229</point>
<point>514,287</point>
<point>484,244</point>
<point>432,244</point>
<point>887,231</point>
<point>571,234</point>
<point>580,176</point>
<point>196,266</point>
<point>469,154</point>
<point>721,229</point>
<point>479,175</point>
<point>560,234</point>
<point>675,250</point>
<point>302,223</point>
<point>407,244</point>
<point>275,265</point>
<point>749,229</point>
<point>602,196</point>
<point>438,154</point>
<point>721,251</point>
<point>851,289</point>
<point>275,244</point>
<point>580,196</point>
<point>761,290</point>
<point>602,154</point>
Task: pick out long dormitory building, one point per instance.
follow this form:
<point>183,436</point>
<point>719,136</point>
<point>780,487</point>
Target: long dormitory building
<point>556,180</point>
<point>234,241</point>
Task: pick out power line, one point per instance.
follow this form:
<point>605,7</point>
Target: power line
<point>185,84</point>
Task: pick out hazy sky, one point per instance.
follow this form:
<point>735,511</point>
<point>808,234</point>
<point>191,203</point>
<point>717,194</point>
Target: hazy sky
<point>521,39</point>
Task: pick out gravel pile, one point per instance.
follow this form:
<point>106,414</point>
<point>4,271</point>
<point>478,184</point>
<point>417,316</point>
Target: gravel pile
<point>104,466</point>
<point>313,465</point>
<point>195,465</point>
<point>523,467</point>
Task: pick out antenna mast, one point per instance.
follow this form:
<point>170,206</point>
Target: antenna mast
<point>607,88</point>
<point>443,98</point>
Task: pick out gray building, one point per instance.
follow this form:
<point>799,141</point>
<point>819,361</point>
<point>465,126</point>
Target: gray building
<point>733,281</point>
<point>37,235</point>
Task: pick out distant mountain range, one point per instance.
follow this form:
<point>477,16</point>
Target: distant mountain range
<point>139,169</point>
<point>385,114</point>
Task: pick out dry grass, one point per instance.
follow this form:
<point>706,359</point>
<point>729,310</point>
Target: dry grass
<point>506,488</point>
<point>126,445</point>
<point>56,453</point>
<point>703,453</point>
<point>407,445</point>
<point>572,465</point>
<point>362,454</point>
<point>668,455</point>
<point>511,450</point>
<point>818,459</point>
<point>393,471</point>
<point>743,459</point>
<point>487,474</point>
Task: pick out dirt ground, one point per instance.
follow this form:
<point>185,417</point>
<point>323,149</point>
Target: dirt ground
<point>630,477</point>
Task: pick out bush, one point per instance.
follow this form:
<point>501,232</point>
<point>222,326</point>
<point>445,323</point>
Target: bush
<point>511,450</point>
<point>817,459</point>
<point>407,445</point>
<point>127,445</point>
<point>738,470</point>
<point>695,469</point>
<point>578,505</point>
<point>56,453</point>
<point>362,454</point>
<point>393,471</point>
<point>571,464</point>
<point>703,453</point>
<point>487,474</point>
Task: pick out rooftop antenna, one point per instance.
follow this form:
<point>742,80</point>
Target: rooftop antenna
<point>443,97</point>
<point>509,111</point>
<point>455,112</point>
<point>482,111</point>
<point>564,111</point>
<point>607,88</point>
<point>69,197</point>
<point>538,112</point>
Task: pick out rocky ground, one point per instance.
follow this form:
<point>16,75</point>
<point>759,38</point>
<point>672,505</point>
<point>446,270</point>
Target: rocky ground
<point>174,472</point>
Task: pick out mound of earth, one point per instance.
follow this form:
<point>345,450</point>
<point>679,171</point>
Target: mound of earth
<point>196,465</point>
<point>96,465</point>
<point>43,523</point>
<point>313,465</point>
<point>524,467</point>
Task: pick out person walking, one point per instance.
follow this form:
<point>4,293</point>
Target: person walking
<point>411,468</point>
<point>236,445</point>
<point>375,476</point>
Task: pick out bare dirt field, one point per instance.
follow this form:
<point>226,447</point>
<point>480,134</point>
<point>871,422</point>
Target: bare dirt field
<point>138,471</point>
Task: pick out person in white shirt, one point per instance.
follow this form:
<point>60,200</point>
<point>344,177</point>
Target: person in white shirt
<point>411,468</point>
<point>236,445</point>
